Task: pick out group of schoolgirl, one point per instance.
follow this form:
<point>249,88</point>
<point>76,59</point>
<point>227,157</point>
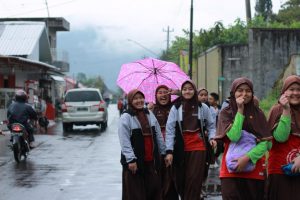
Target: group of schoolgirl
<point>164,151</point>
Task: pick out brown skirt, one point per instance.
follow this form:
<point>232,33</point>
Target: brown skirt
<point>169,191</point>
<point>242,189</point>
<point>281,187</point>
<point>141,186</point>
<point>189,176</point>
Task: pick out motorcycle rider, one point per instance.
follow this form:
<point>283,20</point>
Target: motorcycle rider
<point>21,112</point>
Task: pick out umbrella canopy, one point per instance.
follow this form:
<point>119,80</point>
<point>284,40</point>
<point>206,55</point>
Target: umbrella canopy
<point>149,73</point>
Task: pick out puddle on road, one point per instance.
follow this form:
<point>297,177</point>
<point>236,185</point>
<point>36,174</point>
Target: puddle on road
<point>27,174</point>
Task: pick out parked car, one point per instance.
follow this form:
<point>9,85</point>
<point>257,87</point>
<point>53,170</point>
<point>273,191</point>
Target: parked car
<point>83,106</point>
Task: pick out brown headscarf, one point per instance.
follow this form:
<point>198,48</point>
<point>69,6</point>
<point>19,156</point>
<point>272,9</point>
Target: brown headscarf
<point>255,121</point>
<point>199,90</point>
<point>161,112</point>
<point>190,110</point>
<point>140,113</point>
<point>277,109</point>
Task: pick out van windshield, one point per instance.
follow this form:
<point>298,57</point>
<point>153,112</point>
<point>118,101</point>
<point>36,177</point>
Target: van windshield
<point>79,96</point>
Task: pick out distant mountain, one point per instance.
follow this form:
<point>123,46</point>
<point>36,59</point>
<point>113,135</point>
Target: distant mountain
<point>92,52</point>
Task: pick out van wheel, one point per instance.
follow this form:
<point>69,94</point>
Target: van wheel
<point>67,127</point>
<point>103,126</point>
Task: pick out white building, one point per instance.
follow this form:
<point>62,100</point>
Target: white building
<point>26,62</point>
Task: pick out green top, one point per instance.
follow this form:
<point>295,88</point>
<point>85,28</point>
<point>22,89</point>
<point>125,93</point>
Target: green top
<point>234,134</point>
<point>283,129</point>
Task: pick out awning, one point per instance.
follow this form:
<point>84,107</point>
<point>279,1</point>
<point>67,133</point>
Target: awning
<point>57,78</point>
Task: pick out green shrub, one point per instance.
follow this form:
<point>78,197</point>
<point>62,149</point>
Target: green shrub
<point>271,99</point>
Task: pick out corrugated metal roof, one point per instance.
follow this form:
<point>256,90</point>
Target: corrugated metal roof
<point>19,38</point>
<point>28,61</point>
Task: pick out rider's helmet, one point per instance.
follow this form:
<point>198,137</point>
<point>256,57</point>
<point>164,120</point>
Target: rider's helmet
<point>21,96</point>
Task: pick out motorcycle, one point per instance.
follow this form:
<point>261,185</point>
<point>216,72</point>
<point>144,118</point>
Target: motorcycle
<point>19,141</point>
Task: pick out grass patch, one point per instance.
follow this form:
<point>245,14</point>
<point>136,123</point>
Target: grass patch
<point>270,100</point>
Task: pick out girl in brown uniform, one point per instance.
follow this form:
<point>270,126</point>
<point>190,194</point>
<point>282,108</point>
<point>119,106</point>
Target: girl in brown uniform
<point>186,147</point>
<point>161,111</point>
<point>240,116</point>
<point>285,123</point>
<point>142,146</point>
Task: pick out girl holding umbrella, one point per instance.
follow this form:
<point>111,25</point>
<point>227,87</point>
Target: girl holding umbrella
<point>185,144</point>
<point>142,146</point>
<point>161,111</point>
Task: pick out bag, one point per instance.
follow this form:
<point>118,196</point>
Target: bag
<point>287,170</point>
<point>239,149</point>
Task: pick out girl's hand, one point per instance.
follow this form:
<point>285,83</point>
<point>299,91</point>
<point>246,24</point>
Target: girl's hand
<point>284,101</point>
<point>213,143</point>
<point>150,106</point>
<point>173,91</point>
<point>169,160</point>
<point>240,104</point>
<point>242,163</point>
<point>132,167</point>
<point>296,165</point>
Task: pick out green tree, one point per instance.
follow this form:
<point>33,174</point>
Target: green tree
<point>94,82</point>
<point>180,43</point>
<point>237,33</point>
<point>289,12</point>
<point>81,77</point>
<point>264,8</point>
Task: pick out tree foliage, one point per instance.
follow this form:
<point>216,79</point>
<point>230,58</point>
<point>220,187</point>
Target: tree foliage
<point>180,43</point>
<point>207,38</point>
<point>94,82</point>
<point>289,12</point>
<point>81,77</point>
<point>236,33</point>
<point>264,8</point>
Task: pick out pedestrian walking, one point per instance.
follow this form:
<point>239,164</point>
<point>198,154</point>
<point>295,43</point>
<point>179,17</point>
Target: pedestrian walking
<point>40,109</point>
<point>213,101</point>
<point>185,141</point>
<point>161,110</point>
<point>203,96</point>
<point>284,159</point>
<point>142,146</point>
<point>120,105</point>
<point>243,128</point>
<point>211,163</point>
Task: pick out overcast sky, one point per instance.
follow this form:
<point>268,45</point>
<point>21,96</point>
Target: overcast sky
<point>113,22</point>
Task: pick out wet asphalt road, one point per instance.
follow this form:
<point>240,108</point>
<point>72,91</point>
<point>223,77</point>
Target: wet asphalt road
<point>82,164</point>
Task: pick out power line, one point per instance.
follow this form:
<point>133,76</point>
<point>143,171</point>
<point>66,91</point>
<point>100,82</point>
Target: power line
<point>137,43</point>
<point>39,9</point>
<point>47,8</point>
<point>168,36</point>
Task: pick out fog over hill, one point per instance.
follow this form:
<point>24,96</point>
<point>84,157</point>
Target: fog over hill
<point>90,51</point>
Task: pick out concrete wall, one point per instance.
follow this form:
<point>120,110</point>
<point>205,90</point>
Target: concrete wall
<point>263,60</point>
<point>209,69</point>
<point>293,66</point>
<point>234,65</point>
<point>269,53</point>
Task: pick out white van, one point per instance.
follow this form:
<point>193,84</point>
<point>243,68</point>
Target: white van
<point>84,106</point>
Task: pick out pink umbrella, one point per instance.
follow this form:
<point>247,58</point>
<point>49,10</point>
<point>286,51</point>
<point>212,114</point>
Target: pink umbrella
<point>149,73</point>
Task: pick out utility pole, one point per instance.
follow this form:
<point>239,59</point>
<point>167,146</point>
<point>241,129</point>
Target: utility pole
<point>191,44</point>
<point>168,36</point>
<point>248,11</point>
<point>47,8</point>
